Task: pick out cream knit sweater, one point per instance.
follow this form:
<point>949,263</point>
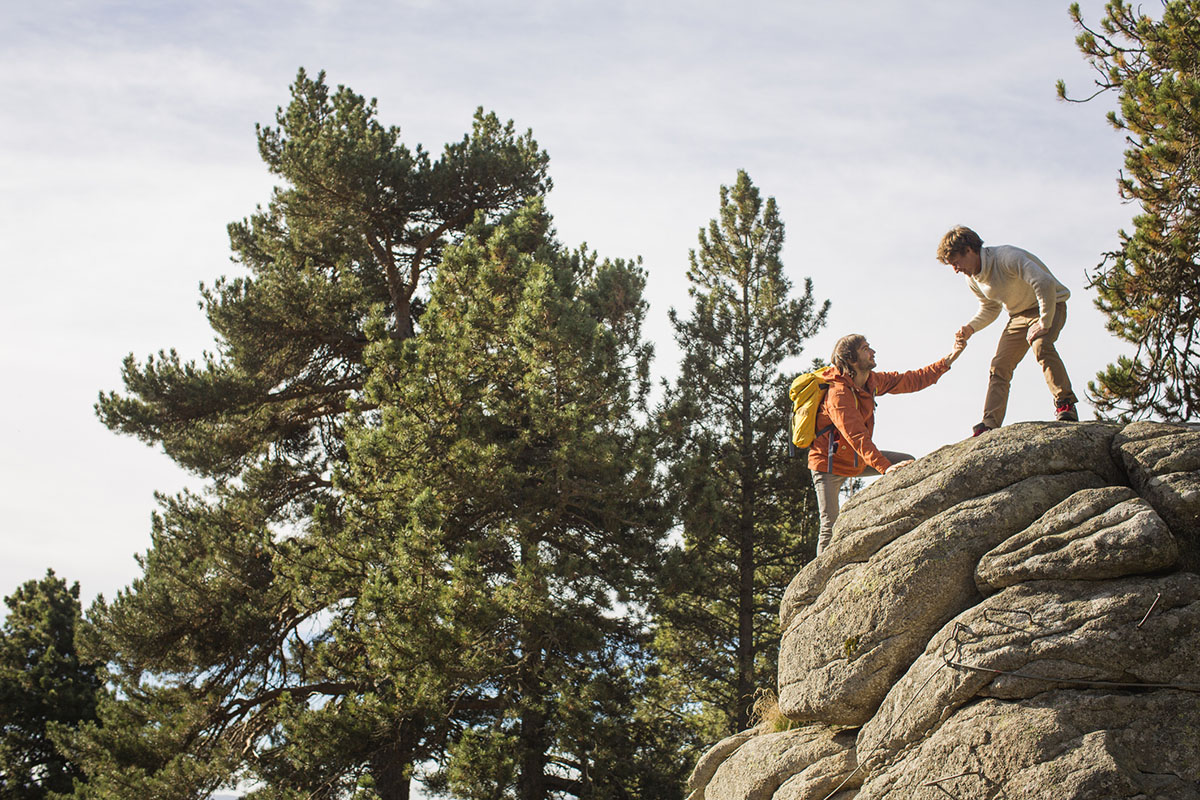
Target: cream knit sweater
<point>1017,280</point>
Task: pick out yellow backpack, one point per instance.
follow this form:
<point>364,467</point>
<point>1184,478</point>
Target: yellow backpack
<point>806,392</point>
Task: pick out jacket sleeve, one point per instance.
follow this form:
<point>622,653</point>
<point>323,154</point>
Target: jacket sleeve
<point>844,413</point>
<point>912,381</point>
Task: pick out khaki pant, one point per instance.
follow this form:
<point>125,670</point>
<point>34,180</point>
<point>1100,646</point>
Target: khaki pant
<point>1009,352</point>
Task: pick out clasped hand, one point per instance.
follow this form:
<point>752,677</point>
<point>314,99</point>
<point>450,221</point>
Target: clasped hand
<point>960,344</point>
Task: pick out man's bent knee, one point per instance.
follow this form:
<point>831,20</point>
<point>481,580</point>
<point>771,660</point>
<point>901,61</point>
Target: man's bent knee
<point>1001,373</point>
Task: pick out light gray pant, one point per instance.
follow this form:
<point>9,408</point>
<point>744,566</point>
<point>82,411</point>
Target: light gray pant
<point>828,487</point>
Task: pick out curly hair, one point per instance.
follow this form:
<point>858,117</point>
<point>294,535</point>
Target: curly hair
<point>845,352</point>
<point>958,240</point>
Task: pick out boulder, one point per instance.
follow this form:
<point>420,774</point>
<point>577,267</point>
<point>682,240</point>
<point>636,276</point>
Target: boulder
<point>835,776</point>
<point>838,660</point>
<point>1016,615</point>
<point>1066,745</point>
<point>1093,534</point>
<point>761,764</point>
<point>898,503</point>
<point>1163,464</point>
<point>1127,635</point>
<point>712,758</point>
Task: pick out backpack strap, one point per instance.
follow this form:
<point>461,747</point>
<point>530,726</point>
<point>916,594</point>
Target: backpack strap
<point>831,429</point>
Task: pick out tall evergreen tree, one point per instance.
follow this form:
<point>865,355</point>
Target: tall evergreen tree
<point>519,492</point>
<point>237,652</point>
<point>747,514</point>
<point>359,221</point>
<point>43,683</point>
<point>1150,286</point>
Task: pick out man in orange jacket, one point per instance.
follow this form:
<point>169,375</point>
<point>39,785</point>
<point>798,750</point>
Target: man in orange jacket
<point>843,447</point>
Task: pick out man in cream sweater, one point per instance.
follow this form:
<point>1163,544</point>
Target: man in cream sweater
<point>1017,280</point>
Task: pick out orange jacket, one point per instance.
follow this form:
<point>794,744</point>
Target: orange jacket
<point>847,417</point>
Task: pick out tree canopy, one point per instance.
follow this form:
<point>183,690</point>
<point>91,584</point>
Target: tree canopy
<point>431,539</point>
<point>237,651</point>
<point>44,685</point>
<point>1150,286</point>
<point>358,222</point>
<point>511,492</point>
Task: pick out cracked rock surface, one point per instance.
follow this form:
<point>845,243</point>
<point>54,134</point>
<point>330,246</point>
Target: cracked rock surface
<point>1163,465</point>
<point>1013,616</point>
<point>763,763</point>
<point>1067,745</point>
<point>1092,535</point>
<point>838,660</point>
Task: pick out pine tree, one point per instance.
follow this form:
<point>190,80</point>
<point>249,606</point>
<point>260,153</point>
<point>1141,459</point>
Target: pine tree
<point>747,514</point>
<point>238,653</point>
<point>1150,286</point>
<point>520,493</point>
<point>359,222</point>
<point>43,684</point>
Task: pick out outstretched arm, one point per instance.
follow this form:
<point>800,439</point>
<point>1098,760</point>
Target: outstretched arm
<point>960,344</point>
<point>989,309</point>
<point>912,381</point>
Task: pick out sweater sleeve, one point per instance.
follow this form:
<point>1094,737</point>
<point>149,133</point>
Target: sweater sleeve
<point>1044,286</point>
<point>845,415</point>
<point>988,309</point>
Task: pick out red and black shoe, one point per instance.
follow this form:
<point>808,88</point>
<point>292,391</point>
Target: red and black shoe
<point>979,429</point>
<point>1066,413</point>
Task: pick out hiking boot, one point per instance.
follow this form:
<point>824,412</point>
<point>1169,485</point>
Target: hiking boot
<point>1066,413</point>
<point>979,429</point>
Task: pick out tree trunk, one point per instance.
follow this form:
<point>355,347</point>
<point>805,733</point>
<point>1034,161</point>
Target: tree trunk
<point>391,763</point>
<point>745,645</point>
<point>531,758</point>
<point>531,782</point>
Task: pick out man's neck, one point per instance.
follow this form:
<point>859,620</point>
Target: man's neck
<point>860,378</point>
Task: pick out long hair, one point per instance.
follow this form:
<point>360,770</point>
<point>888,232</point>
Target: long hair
<point>845,353</point>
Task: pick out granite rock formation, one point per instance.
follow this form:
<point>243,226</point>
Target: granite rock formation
<point>1016,615</point>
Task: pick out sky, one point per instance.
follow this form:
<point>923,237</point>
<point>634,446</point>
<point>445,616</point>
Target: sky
<point>127,145</point>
